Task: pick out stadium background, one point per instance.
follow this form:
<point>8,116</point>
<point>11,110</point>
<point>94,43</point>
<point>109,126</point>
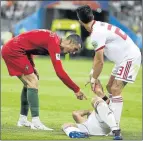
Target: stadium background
<point>56,101</point>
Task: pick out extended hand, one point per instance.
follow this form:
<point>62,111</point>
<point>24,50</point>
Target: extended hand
<point>80,95</point>
<point>97,87</point>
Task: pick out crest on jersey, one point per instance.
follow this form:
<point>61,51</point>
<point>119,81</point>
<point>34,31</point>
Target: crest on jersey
<point>57,56</point>
<point>94,43</point>
<point>26,68</point>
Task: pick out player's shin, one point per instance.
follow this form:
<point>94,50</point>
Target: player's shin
<point>24,102</point>
<point>106,114</point>
<point>116,104</point>
<point>33,100</point>
<point>24,110</point>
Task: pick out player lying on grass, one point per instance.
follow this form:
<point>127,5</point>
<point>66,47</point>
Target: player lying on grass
<point>119,48</point>
<point>100,121</point>
<point>17,54</point>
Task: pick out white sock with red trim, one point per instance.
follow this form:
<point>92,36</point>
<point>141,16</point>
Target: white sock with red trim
<point>116,104</point>
<point>106,115</point>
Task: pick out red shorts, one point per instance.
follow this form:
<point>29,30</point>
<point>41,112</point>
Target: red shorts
<point>17,64</point>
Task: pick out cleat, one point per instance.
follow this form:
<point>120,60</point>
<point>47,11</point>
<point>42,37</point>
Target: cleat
<point>22,123</point>
<point>38,125</point>
<point>118,138</point>
<point>117,135</point>
<point>75,134</point>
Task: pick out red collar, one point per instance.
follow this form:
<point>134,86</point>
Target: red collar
<point>92,26</point>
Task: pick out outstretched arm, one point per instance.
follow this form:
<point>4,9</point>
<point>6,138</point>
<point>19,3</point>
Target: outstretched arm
<point>55,57</point>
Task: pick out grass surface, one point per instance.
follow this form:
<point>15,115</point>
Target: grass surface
<point>57,102</point>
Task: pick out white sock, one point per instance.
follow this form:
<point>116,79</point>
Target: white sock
<point>67,130</point>
<point>116,105</point>
<point>34,119</point>
<point>22,117</point>
<point>107,115</point>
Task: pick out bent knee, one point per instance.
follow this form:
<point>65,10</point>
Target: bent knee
<point>31,80</point>
<point>95,101</point>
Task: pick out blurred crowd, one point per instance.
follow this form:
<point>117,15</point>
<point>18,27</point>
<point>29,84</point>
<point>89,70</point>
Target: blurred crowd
<point>17,10</point>
<point>129,13</point>
<point>11,13</point>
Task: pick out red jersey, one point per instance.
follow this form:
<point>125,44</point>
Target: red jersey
<point>41,42</point>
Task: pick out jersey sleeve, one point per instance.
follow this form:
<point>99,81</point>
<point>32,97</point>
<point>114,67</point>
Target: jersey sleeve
<point>54,52</point>
<point>98,40</point>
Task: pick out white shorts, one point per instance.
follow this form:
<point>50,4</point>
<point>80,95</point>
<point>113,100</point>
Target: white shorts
<point>127,70</point>
<point>94,128</point>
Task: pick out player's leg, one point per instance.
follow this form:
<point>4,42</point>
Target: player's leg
<point>76,130</point>
<point>24,109</point>
<point>106,115</point>
<point>72,131</point>
<point>31,81</point>
<point>117,101</point>
<point>114,89</point>
<point>126,73</point>
<point>24,102</point>
<point>109,85</point>
<point>104,112</point>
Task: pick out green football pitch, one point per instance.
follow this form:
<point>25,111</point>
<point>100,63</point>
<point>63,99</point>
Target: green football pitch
<point>57,102</point>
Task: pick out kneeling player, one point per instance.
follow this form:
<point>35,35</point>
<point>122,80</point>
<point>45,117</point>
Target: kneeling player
<point>100,121</point>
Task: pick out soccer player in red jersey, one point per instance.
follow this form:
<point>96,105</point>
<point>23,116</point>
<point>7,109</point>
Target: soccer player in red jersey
<point>17,54</point>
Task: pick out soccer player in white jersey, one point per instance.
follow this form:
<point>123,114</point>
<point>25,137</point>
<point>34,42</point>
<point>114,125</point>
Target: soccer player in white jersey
<point>100,121</point>
<point>119,48</point>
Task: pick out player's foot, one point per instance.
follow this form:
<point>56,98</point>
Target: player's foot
<point>111,134</point>
<point>76,134</point>
<point>23,122</point>
<point>117,135</point>
<point>38,125</point>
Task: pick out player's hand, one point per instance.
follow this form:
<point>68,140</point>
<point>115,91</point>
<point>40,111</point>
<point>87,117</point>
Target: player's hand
<point>94,84</point>
<point>36,73</point>
<point>80,95</point>
<point>97,87</point>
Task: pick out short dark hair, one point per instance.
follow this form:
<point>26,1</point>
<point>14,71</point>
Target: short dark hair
<point>85,14</point>
<point>75,38</point>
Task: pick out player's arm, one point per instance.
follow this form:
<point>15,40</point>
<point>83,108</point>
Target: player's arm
<point>82,113</point>
<point>55,57</point>
<point>79,116</point>
<point>98,63</point>
<point>98,42</point>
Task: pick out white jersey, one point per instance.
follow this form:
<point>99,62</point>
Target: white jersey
<point>117,45</point>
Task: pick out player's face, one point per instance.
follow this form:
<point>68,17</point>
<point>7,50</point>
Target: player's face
<point>70,47</point>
